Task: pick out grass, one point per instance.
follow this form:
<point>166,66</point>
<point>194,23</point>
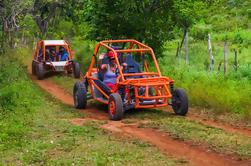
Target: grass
<point>36,130</point>
<point>222,94</point>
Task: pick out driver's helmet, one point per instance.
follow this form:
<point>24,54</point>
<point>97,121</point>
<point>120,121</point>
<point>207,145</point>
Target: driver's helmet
<point>53,50</point>
<point>61,49</point>
<point>111,55</point>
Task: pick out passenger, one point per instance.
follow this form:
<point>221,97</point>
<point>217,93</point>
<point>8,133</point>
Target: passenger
<point>40,55</point>
<point>47,54</point>
<point>53,54</point>
<point>110,75</point>
<point>64,56</point>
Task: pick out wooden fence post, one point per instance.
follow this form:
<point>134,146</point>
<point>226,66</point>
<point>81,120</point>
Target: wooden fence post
<point>225,58</point>
<point>235,60</point>
<point>210,53</point>
<point>186,47</point>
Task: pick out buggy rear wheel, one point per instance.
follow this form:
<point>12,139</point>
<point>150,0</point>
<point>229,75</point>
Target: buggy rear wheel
<point>80,95</point>
<point>76,69</point>
<point>33,67</point>
<point>180,102</point>
<point>40,71</point>
<point>115,107</point>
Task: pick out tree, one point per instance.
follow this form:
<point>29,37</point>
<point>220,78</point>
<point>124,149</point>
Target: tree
<point>44,12</point>
<point>150,21</point>
<point>186,14</point>
<point>10,12</point>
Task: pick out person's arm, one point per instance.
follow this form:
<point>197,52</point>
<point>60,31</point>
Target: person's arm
<point>66,56</point>
<point>103,67</point>
<point>123,66</point>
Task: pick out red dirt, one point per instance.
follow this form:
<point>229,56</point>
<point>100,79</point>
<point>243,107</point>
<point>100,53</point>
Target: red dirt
<point>196,155</point>
<point>228,128</point>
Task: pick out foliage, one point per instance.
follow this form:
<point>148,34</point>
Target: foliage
<point>148,21</point>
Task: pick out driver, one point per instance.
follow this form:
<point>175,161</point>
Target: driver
<point>110,75</point>
<point>63,54</point>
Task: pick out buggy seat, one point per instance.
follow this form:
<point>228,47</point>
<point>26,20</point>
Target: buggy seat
<point>132,66</point>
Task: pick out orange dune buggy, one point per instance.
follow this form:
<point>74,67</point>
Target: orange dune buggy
<point>138,85</point>
<point>53,55</point>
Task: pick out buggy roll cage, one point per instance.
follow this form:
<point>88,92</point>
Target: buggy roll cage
<point>41,45</point>
<point>142,48</point>
<point>150,80</point>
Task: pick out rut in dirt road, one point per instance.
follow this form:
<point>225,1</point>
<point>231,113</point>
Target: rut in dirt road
<point>214,124</point>
<point>196,155</point>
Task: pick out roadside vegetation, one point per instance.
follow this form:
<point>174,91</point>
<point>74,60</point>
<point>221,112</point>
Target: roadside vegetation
<point>211,90</point>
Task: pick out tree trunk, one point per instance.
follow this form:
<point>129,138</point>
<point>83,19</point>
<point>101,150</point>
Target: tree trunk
<point>183,38</point>
<point>38,14</point>
<point>178,53</point>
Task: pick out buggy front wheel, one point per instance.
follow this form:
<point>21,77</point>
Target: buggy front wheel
<point>180,102</point>
<point>76,70</point>
<point>79,95</point>
<point>40,71</point>
<point>33,67</point>
<point>115,107</point>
